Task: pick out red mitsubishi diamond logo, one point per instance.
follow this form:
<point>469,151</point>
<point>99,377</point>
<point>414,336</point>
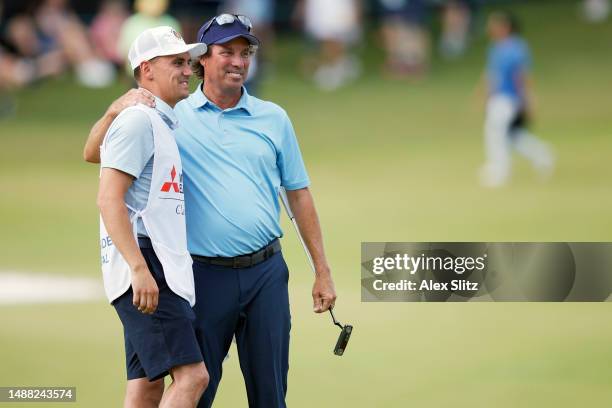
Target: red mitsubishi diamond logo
<point>171,184</point>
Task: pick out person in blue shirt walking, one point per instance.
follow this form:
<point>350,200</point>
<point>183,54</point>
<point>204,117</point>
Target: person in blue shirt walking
<point>237,152</point>
<point>509,104</point>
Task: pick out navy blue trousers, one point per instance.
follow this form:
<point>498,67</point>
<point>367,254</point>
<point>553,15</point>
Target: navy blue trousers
<point>253,304</point>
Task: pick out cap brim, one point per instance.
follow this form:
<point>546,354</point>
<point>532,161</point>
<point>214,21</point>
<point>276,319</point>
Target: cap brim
<point>197,49</point>
<point>250,38</point>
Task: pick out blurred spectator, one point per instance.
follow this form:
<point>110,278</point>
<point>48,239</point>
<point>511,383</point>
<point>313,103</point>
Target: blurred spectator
<point>51,34</point>
<point>14,71</point>
<point>106,28</point>
<point>596,11</point>
<point>405,37</point>
<point>191,14</point>
<point>456,21</point>
<point>261,14</point>
<point>149,14</point>
<point>336,27</point>
<point>509,105</point>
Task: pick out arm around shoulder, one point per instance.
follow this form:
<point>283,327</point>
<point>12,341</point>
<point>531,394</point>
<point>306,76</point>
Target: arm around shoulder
<point>91,151</point>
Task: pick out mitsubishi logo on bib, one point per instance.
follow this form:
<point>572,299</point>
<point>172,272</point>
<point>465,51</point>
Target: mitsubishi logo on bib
<point>171,184</point>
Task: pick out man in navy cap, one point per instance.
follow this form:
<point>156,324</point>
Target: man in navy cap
<point>237,152</point>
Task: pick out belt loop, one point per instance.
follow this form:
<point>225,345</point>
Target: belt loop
<point>269,251</point>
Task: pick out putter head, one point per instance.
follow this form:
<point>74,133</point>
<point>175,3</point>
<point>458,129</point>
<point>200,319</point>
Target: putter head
<point>343,339</point>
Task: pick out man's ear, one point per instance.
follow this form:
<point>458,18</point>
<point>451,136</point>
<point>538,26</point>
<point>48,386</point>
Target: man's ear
<point>146,70</point>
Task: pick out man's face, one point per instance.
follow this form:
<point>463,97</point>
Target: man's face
<point>171,74</point>
<point>226,65</point>
<point>497,28</point>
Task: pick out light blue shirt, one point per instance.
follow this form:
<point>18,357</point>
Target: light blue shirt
<point>234,162</point>
<point>508,61</point>
<point>130,148</point>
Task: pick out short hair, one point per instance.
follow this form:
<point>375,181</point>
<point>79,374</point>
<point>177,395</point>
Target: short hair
<point>509,19</point>
<point>137,74</point>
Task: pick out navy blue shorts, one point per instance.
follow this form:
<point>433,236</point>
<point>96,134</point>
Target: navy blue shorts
<point>155,343</point>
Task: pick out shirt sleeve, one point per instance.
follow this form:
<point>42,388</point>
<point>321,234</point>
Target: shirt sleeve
<point>290,162</point>
<point>129,144</point>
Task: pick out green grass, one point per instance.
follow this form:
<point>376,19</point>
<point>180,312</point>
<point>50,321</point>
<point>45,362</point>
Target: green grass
<point>389,161</point>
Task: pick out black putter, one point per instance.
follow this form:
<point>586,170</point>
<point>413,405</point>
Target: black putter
<point>347,329</point>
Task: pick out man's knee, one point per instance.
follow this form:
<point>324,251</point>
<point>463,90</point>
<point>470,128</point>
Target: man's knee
<point>191,377</point>
<point>200,377</point>
<point>144,393</point>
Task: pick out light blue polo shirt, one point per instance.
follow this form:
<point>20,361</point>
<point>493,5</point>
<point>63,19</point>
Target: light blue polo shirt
<point>130,147</point>
<point>234,162</point>
<point>508,61</point>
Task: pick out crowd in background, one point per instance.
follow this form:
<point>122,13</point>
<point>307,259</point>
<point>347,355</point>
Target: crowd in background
<point>45,38</point>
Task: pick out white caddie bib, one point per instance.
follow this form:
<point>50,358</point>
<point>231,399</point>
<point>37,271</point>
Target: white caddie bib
<point>163,218</point>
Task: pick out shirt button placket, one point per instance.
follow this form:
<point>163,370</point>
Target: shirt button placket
<point>220,122</point>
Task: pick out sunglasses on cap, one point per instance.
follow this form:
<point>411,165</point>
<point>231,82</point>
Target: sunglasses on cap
<point>223,19</point>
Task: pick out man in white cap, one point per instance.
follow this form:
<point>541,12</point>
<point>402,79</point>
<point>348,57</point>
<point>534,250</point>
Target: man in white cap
<point>147,269</point>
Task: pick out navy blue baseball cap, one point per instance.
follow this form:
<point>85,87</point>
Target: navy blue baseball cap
<point>224,28</point>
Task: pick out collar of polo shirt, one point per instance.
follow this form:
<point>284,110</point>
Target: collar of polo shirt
<point>198,100</point>
<point>165,109</point>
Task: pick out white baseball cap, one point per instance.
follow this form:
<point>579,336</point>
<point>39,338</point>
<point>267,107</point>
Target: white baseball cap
<point>160,41</point>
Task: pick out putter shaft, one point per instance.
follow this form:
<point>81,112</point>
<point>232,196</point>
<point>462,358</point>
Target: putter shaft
<point>285,200</point>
